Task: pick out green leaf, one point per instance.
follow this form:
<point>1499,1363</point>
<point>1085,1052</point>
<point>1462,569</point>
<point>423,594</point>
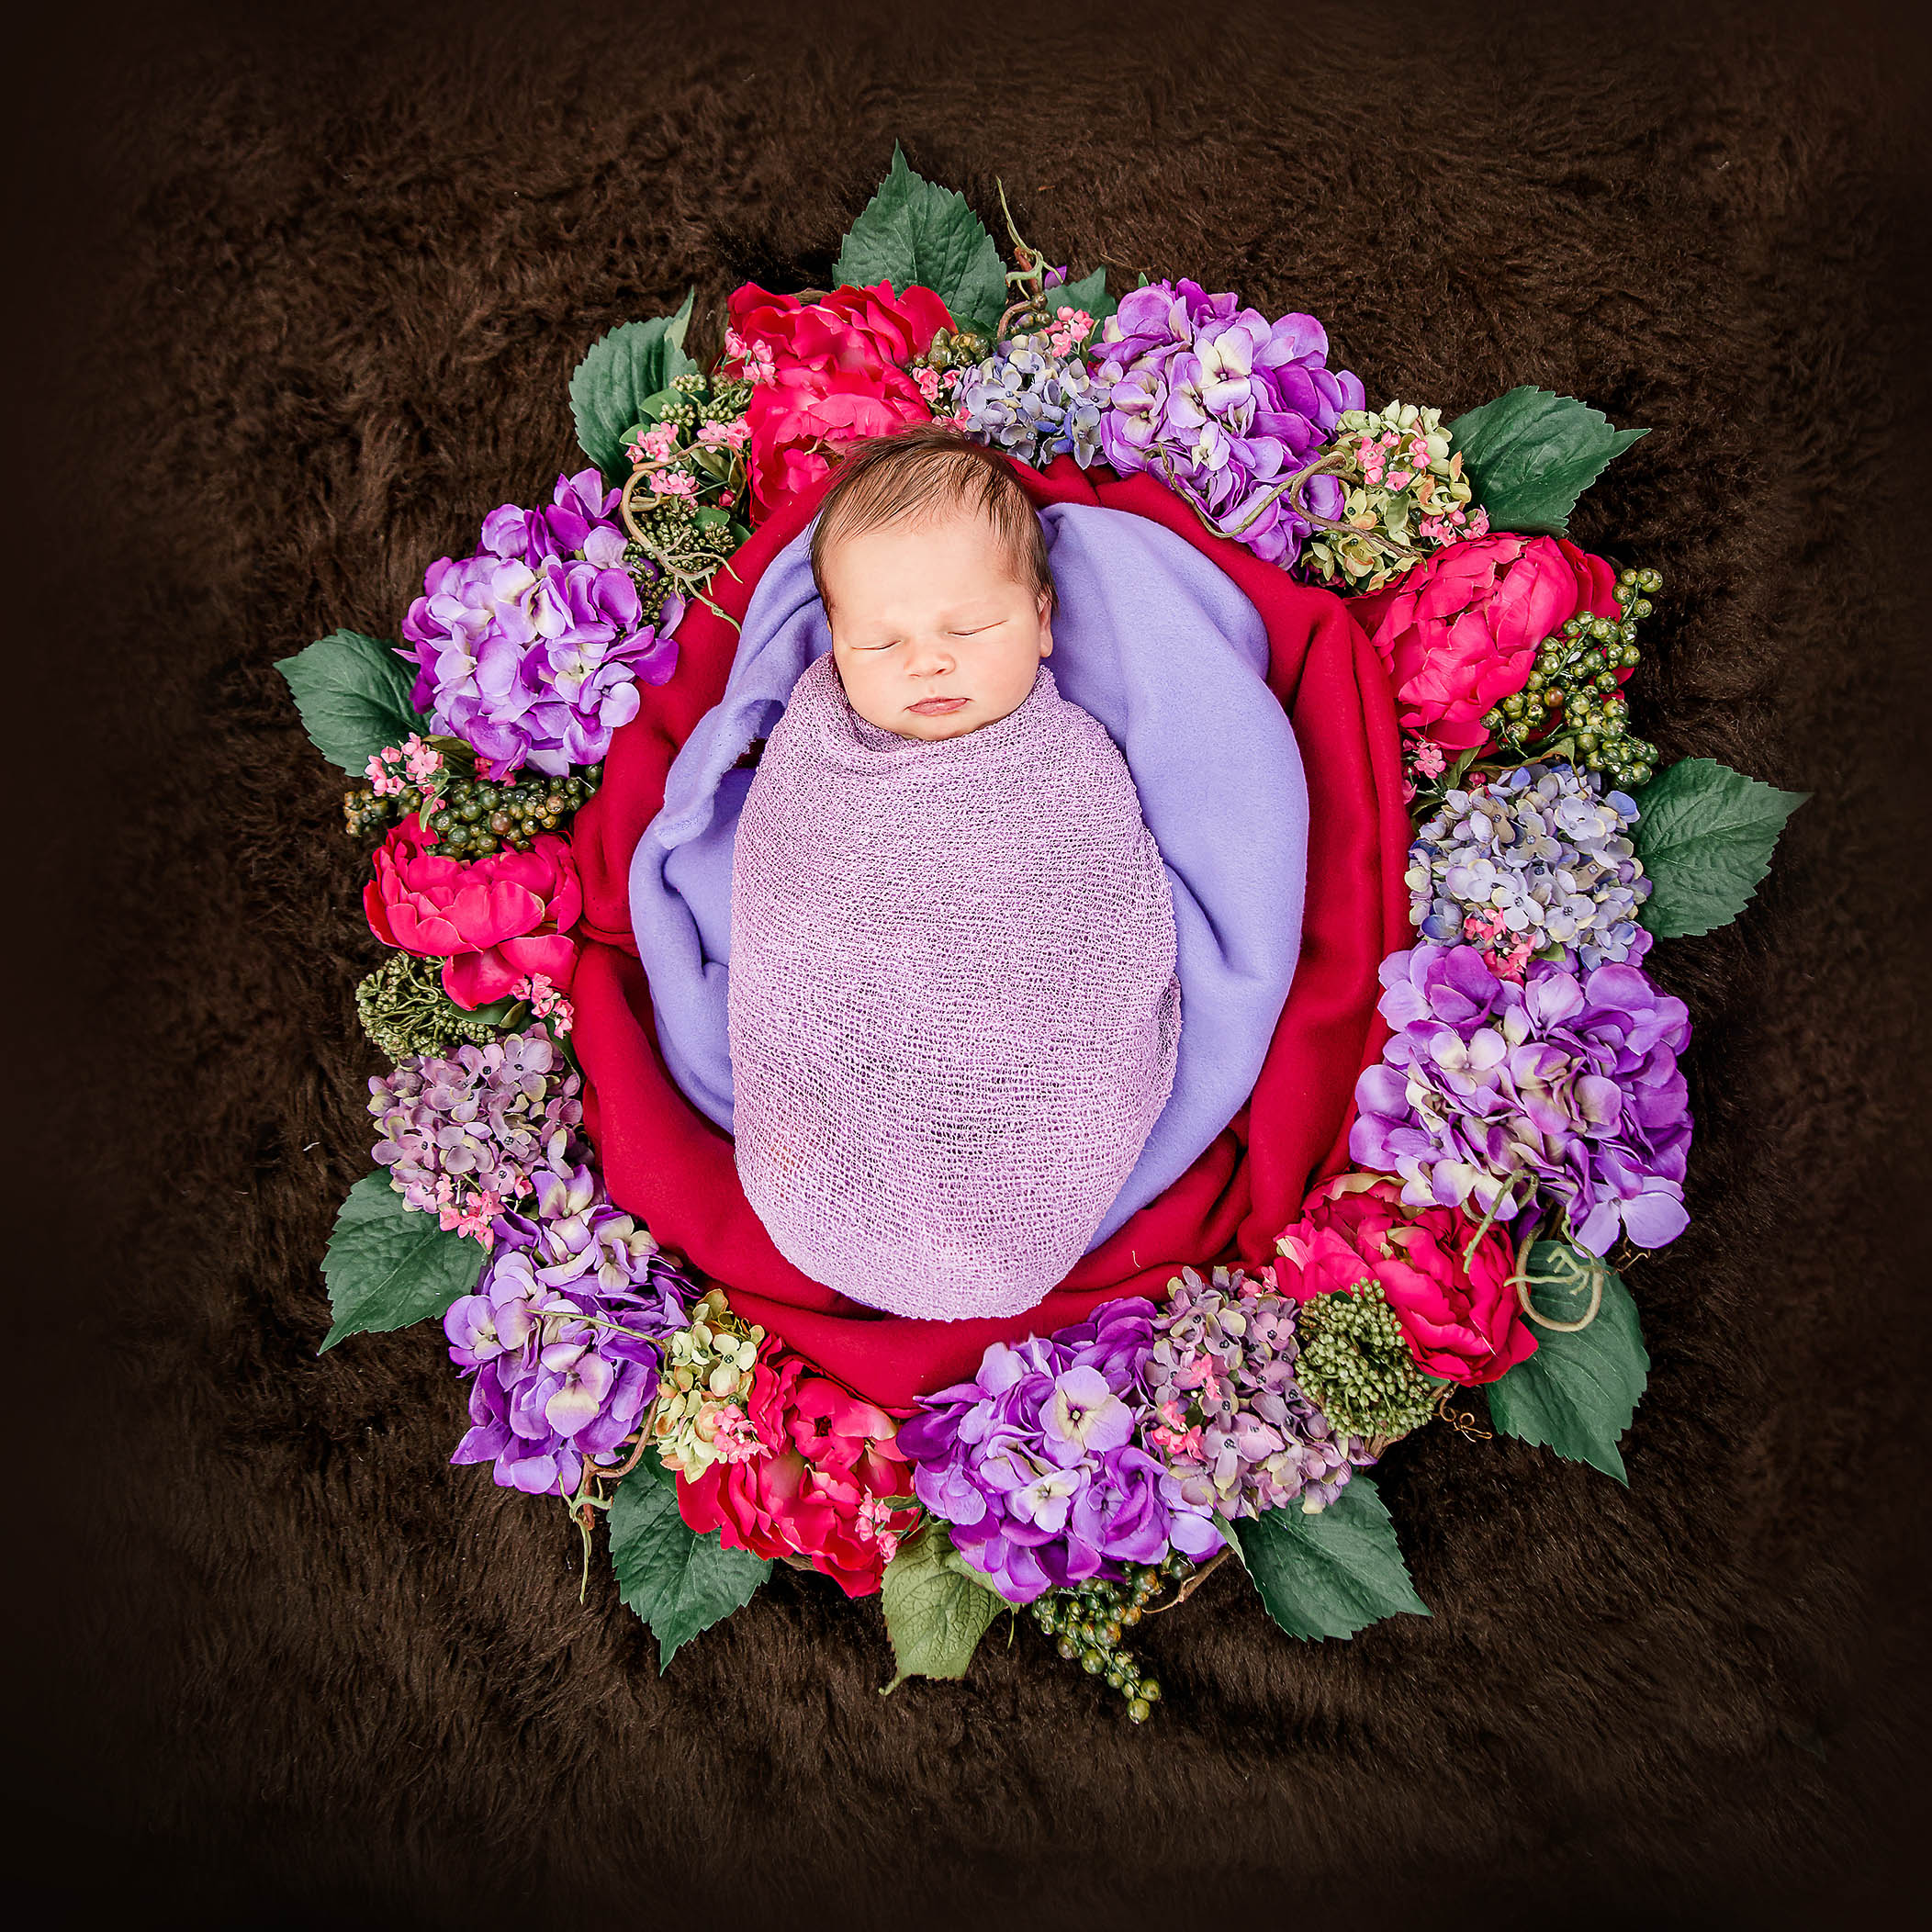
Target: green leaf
<point>680,1583</point>
<point>1529,454</point>
<point>353,694</point>
<point>389,1266</point>
<point>1706,835</point>
<point>914,232</point>
<point>623,373</point>
<point>1578,1392</point>
<point>937,1607</point>
<point>1331,1574</point>
<point>1090,295</point>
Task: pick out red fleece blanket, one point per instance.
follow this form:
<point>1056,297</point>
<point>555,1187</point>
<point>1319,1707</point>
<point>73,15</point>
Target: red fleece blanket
<point>667,1164</point>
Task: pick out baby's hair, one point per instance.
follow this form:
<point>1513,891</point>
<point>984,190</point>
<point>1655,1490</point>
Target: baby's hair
<point>884,480</point>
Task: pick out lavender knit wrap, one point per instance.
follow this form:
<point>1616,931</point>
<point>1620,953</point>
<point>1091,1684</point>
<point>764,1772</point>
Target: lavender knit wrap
<point>953,1012</point>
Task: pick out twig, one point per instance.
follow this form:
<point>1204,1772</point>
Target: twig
<point>1465,1426</point>
<point>1192,1584</point>
<point>1519,1277</point>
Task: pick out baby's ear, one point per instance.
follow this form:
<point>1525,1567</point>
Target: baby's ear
<point>1046,625</point>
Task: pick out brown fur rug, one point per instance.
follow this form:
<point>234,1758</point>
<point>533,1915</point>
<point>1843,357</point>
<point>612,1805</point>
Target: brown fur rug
<point>308,295</point>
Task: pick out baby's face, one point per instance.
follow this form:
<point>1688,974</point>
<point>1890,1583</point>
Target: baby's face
<point>930,609</point>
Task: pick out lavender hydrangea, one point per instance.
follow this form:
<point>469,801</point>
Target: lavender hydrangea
<point>564,1337</point>
<point>463,1137</point>
<point>1536,863</point>
<point>531,650</point>
<point>1224,405</point>
<point>1491,1093</point>
<point>1032,402</point>
<point>1237,1434</point>
<point>1036,1465</point>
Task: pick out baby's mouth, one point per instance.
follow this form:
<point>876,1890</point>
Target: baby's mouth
<point>936,707</point>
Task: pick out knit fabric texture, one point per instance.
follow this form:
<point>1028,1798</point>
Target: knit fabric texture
<point>953,1010</point>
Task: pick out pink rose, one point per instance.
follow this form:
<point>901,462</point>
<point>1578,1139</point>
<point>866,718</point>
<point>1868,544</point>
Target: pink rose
<point>492,920</point>
<point>1463,1324</point>
<point>1459,631</point>
<point>837,374</point>
<point>820,1491</point>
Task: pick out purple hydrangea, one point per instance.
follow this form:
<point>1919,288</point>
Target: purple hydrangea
<point>463,1137</point>
<point>1036,1464</point>
<point>1537,862</point>
<point>1224,405</point>
<point>1237,1434</point>
<point>531,650</point>
<point>564,1336</point>
<point>1033,403</point>
<point>1490,1094</point>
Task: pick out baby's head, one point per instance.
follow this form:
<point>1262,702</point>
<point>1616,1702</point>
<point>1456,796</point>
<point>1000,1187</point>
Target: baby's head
<point>932,567</point>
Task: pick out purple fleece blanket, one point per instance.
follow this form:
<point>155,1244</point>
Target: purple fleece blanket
<point>1162,649</point>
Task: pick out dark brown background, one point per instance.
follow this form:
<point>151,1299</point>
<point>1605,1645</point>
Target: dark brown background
<point>293,304</point>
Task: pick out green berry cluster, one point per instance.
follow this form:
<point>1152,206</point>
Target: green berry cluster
<point>404,1010</point>
<point>1573,692</point>
<point>684,543</point>
<point>477,817</point>
<point>653,582</point>
<point>693,399</point>
<point>948,350</point>
<point>367,814</point>
<point>1089,1620</point>
<point>367,811</point>
<point>1357,1365</point>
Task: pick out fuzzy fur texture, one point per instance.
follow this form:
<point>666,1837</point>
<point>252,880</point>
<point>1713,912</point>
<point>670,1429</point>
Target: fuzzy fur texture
<point>331,286</point>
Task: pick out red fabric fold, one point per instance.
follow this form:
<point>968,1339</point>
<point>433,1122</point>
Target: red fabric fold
<point>667,1164</point>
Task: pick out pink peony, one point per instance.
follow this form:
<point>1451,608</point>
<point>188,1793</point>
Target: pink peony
<point>1459,631</point>
<point>492,920</point>
<point>837,374</point>
<point>1463,1325</point>
<point>820,1491</point>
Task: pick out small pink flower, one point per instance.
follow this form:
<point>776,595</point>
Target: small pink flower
<point>873,1521</point>
<point>1507,952</point>
<point>727,498</point>
<point>471,1218</point>
<point>675,483</point>
<point>1400,479</point>
<point>733,1438</point>
<point>928,383</point>
<point>756,357</point>
<point>422,761</point>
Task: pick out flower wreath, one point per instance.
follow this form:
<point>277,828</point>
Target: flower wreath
<point>1521,1134</point>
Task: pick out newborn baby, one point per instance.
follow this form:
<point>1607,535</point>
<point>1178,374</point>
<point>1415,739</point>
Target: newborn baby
<point>953,1011</point>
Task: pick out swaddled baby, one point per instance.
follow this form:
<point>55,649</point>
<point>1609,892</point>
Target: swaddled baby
<point>953,1011</point>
